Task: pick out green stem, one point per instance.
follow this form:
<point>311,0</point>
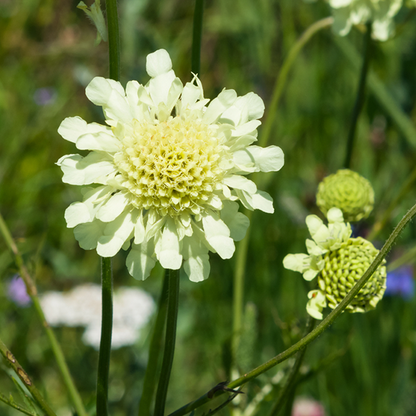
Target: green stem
<point>106,330</point>
<point>238,294</point>
<point>113,39</point>
<point>359,100</point>
<point>407,258</point>
<point>56,348</point>
<point>172,317</point>
<point>10,403</point>
<point>284,72</point>
<point>403,122</point>
<point>150,379</point>
<point>197,37</point>
<point>13,363</point>
<point>290,382</point>
<point>379,224</point>
<point>313,334</point>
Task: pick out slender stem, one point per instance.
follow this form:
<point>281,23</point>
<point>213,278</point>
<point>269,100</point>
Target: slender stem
<point>284,72</point>
<point>284,393</point>
<point>21,409</point>
<point>403,122</point>
<point>379,224</point>
<point>172,317</point>
<point>359,100</point>
<point>150,380</point>
<point>106,331</point>
<point>238,294</point>
<point>56,348</point>
<point>113,39</point>
<point>13,363</point>
<point>313,334</point>
<point>409,257</point>
<point>197,37</point>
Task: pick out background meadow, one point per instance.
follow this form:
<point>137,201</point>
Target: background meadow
<point>364,364</point>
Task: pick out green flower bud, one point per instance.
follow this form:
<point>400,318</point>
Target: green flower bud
<point>344,267</point>
<point>348,191</point>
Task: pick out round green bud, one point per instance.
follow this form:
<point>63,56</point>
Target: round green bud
<point>348,191</point>
<point>344,267</point>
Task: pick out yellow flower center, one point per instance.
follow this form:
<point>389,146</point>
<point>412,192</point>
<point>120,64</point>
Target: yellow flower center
<point>172,166</point>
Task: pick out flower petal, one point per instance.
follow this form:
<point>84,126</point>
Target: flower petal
<point>196,264</point>
<point>80,170</point>
<point>140,261</point>
<point>169,255</point>
<point>113,207</point>
<point>158,63</point>
<point>115,234</point>
<point>218,236</point>
<point>235,221</point>
<point>269,159</point>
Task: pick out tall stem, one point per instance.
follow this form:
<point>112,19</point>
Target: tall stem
<point>28,383</point>
<point>313,334</point>
<point>56,348</point>
<point>238,293</point>
<point>359,100</point>
<point>156,343</point>
<point>290,382</point>
<point>284,72</point>
<point>106,331</point>
<point>172,317</point>
<point>113,39</point>
<point>197,37</point>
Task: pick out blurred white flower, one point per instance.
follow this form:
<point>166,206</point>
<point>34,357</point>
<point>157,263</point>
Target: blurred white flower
<point>353,12</point>
<point>81,306</point>
<point>168,169</point>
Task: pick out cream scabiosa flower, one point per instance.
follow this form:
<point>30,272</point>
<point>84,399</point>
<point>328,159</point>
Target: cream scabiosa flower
<point>353,12</point>
<point>167,171</point>
<point>338,261</point>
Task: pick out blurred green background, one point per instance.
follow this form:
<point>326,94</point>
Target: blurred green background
<point>48,56</point>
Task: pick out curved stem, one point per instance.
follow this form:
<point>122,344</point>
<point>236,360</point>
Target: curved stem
<point>56,348</point>
<point>106,331</point>
<point>359,100</point>
<point>290,382</point>
<point>172,317</point>
<point>313,334</point>
<point>149,384</point>
<point>197,37</point>
<point>28,383</point>
<point>113,39</point>
<point>284,72</point>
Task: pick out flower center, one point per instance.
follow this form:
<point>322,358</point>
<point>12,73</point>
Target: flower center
<point>172,166</point>
<point>344,267</point>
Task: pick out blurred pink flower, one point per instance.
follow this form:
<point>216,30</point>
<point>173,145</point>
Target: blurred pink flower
<point>16,291</point>
<point>304,406</point>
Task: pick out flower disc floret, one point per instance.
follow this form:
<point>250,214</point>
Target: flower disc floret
<point>167,171</point>
<point>342,270</point>
<point>172,166</point>
<point>348,191</point>
<point>338,261</point>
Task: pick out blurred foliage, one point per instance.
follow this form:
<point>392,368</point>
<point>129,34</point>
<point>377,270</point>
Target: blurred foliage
<point>48,56</point>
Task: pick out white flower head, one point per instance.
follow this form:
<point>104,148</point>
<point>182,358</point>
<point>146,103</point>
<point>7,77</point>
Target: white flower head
<point>354,12</point>
<point>167,171</point>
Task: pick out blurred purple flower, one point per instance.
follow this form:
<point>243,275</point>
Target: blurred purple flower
<point>400,282</point>
<point>16,291</point>
<point>44,96</point>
